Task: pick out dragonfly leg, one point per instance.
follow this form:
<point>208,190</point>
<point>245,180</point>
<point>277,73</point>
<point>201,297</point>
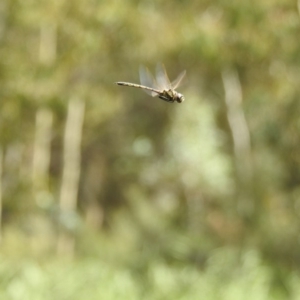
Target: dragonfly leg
<point>165,99</point>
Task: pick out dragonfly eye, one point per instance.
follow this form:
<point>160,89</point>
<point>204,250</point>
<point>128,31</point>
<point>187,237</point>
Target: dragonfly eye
<point>180,98</point>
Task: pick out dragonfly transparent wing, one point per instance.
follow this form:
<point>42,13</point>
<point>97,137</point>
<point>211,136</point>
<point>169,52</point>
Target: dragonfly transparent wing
<point>178,80</point>
<point>162,78</point>
<point>146,79</point>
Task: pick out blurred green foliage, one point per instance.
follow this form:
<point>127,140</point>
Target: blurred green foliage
<point>226,278</point>
<point>167,207</point>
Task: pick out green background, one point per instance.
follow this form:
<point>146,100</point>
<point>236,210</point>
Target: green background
<point>199,200</point>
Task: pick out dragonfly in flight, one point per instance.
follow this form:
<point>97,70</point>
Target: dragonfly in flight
<point>161,87</point>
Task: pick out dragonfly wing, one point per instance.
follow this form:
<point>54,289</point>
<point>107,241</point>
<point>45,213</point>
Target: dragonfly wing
<point>146,79</point>
<point>162,78</point>
<point>178,80</point>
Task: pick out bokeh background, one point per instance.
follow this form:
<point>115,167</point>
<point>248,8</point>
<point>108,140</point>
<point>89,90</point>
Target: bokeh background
<point>107,193</point>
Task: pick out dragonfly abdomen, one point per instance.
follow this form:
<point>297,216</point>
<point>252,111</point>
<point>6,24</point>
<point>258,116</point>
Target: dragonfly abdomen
<point>137,86</point>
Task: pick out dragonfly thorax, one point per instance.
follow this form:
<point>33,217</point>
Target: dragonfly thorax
<point>173,96</point>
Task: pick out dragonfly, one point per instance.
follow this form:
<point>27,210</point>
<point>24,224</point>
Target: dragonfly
<point>161,87</point>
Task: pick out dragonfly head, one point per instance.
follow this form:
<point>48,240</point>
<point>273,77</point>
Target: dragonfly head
<point>179,98</point>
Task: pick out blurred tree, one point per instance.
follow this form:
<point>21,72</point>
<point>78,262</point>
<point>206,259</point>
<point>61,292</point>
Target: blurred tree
<point>165,178</point>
